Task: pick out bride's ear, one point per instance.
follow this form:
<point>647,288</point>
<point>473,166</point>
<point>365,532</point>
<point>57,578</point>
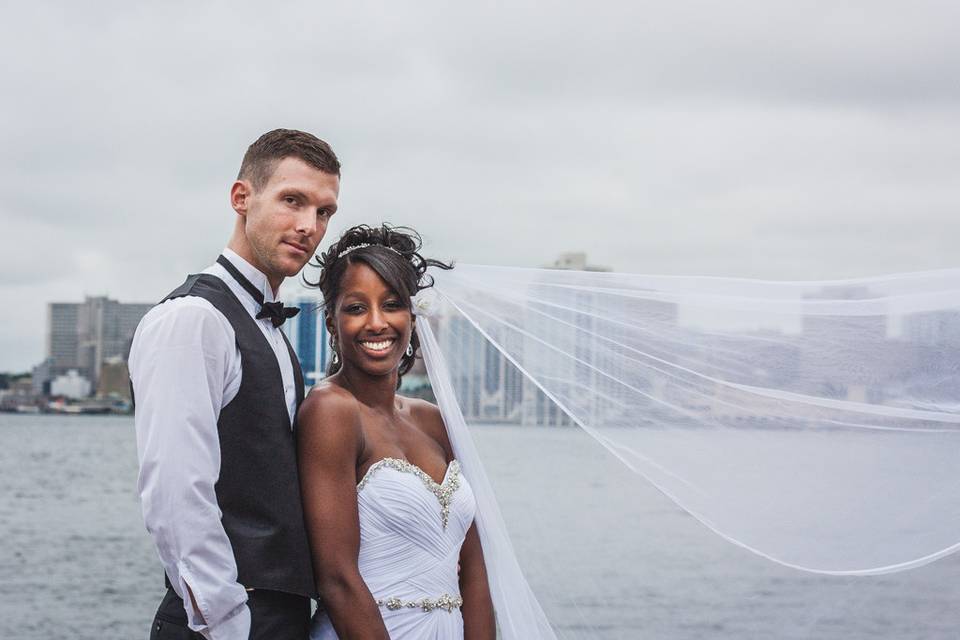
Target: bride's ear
<point>328,320</point>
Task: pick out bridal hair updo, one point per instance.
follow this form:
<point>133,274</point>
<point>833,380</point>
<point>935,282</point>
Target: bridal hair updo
<point>394,254</point>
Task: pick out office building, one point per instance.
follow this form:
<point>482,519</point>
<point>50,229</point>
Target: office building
<point>308,336</point>
<point>82,336</point>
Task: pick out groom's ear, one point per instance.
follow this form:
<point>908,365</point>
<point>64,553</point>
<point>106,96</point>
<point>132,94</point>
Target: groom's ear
<point>240,195</point>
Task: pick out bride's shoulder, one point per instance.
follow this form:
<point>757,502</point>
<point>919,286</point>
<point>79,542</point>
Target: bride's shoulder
<point>427,417</point>
<point>422,408</point>
<point>425,414</point>
<point>328,433</point>
<point>328,406</point>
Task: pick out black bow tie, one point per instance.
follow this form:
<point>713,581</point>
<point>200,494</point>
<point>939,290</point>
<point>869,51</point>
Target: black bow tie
<point>277,313</point>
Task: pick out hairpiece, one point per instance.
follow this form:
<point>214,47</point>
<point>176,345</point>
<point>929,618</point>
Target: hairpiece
<point>365,244</point>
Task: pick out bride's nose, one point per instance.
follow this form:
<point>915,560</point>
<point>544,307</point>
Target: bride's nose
<point>376,320</point>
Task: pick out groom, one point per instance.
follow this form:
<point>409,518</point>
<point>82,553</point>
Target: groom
<point>217,387</point>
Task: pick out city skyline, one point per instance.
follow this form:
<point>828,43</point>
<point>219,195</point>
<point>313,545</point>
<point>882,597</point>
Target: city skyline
<point>798,141</point>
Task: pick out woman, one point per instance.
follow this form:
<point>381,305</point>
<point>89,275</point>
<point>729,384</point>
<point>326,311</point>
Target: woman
<point>390,516</point>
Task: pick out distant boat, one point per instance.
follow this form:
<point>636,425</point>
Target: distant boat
<point>27,408</point>
<point>83,409</point>
<point>86,408</point>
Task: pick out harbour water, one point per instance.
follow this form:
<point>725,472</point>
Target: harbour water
<point>608,556</point>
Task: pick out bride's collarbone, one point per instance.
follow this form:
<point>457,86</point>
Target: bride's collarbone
<point>403,443</point>
<point>398,435</point>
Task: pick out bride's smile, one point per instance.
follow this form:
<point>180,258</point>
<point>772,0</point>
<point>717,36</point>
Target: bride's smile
<point>378,346</point>
<point>372,324</point>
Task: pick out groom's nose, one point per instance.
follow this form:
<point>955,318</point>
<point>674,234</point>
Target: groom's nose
<point>306,222</point>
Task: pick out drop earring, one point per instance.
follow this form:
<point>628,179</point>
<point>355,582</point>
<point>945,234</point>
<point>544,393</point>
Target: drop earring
<point>410,349</point>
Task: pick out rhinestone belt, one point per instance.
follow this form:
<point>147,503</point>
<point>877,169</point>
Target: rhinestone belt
<point>446,602</point>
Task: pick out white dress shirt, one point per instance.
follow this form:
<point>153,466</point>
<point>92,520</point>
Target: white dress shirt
<point>185,367</point>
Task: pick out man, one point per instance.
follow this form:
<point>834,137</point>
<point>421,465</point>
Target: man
<point>216,387</point>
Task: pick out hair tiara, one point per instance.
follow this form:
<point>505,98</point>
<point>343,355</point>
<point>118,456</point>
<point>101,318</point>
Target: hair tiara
<point>366,244</point>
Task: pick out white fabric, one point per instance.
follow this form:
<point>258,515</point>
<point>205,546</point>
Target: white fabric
<point>519,615</point>
<point>406,553</point>
<point>185,367</point>
<point>814,423</point>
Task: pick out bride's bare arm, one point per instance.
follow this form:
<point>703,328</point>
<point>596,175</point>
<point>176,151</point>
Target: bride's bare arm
<point>478,619</point>
<point>328,445</point>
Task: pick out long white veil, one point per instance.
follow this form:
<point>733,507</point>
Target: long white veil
<point>816,424</point>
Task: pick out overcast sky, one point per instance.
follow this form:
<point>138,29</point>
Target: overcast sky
<point>780,140</point>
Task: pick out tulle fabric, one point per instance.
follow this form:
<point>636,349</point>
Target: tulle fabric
<point>518,612</point>
<point>816,424</point>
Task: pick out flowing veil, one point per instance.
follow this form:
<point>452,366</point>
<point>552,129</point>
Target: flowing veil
<point>816,424</point>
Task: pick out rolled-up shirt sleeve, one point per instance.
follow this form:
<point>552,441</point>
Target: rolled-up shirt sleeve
<point>183,362</point>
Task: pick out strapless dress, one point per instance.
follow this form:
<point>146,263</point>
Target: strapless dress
<point>411,531</point>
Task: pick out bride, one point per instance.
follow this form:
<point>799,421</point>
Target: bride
<point>797,420</point>
<point>389,512</point>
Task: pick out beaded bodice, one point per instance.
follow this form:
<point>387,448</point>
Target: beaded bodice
<point>411,532</point>
<point>444,491</point>
<point>409,520</point>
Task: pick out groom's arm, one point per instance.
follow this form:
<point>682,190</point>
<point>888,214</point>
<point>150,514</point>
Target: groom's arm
<point>183,366</point>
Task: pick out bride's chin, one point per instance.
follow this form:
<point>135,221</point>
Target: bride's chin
<point>375,368</point>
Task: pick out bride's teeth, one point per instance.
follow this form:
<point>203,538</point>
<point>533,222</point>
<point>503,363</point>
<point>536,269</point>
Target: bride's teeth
<point>378,346</point>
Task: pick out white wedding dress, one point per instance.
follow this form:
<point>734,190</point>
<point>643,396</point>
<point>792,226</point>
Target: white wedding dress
<point>411,531</point>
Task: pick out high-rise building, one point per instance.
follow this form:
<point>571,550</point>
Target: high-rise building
<point>309,337</point>
<point>574,261</point>
<point>491,389</point>
<point>933,328</point>
<point>63,336</point>
<point>81,336</point>
<point>845,330</point>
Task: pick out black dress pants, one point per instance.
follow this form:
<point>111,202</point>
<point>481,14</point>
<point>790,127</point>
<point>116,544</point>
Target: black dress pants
<point>273,616</point>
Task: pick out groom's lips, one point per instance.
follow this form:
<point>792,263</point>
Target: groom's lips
<point>296,245</point>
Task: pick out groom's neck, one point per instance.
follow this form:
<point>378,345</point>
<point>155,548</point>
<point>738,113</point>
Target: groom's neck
<point>242,249</point>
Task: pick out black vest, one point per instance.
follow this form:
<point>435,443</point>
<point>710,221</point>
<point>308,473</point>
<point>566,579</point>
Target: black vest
<point>258,490</point>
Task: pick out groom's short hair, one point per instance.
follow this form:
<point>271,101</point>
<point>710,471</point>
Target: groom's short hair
<point>263,156</point>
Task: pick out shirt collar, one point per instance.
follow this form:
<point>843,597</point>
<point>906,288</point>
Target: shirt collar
<point>251,273</point>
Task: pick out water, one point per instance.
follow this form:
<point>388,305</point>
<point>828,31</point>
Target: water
<point>609,556</point>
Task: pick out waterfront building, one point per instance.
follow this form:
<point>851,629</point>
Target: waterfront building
<point>42,375</point>
<point>82,336</point>
<point>71,385</point>
<point>933,328</point>
<point>830,365</point>
<point>308,335</point>
<point>63,336</point>
<point>574,261</point>
<point>492,390</point>
<point>114,379</point>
